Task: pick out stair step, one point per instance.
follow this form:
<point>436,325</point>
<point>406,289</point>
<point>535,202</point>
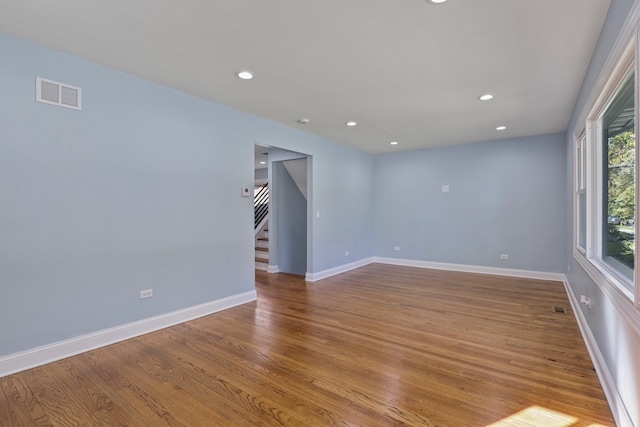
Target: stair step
<point>262,254</point>
<point>262,249</point>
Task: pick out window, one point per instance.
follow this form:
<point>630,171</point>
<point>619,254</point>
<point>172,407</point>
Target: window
<point>618,141</point>
<point>605,214</point>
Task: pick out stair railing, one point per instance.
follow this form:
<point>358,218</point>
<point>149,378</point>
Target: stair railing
<point>261,205</point>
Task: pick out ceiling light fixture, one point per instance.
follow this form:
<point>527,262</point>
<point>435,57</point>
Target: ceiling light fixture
<point>245,75</point>
<point>304,121</point>
<point>501,128</point>
<point>485,97</point>
<point>394,143</point>
<point>351,124</point>
<point>436,1</point>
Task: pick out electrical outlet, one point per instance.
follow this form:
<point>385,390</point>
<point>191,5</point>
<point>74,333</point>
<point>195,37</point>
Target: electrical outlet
<point>504,256</point>
<point>396,248</point>
<point>585,300</point>
<point>148,293</point>
<point>346,253</point>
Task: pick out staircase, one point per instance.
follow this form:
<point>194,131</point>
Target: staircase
<point>261,225</point>
<point>262,250</point>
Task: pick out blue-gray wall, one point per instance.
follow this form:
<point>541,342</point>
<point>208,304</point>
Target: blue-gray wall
<point>291,226</point>
<point>261,174</point>
<point>139,190</point>
<point>505,197</point>
<point>616,339</point>
<point>279,213</point>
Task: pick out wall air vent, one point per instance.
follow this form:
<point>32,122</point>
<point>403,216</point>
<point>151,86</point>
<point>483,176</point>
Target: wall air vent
<point>59,94</point>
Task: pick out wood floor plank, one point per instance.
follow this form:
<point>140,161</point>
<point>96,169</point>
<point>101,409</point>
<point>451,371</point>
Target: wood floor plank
<point>18,404</point>
<point>58,402</point>
<point>251,367</point>
<point>89,395</point>
<point>92,371</point>
<point>226,381</point>
<point>378,346</point>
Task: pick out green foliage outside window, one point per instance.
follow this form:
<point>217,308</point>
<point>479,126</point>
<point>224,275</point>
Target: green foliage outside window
<point>621,197</point>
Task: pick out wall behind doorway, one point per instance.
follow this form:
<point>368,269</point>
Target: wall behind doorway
<point>291,220</point>
<point>288,225</point>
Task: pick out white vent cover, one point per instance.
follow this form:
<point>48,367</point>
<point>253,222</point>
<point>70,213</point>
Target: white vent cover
<point>60,94</point>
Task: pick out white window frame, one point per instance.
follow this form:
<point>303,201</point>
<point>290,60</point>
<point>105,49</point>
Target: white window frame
<point>580,188</point>
<point>624,58</point>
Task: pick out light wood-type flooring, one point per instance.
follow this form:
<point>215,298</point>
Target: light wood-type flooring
<point>378,346</point>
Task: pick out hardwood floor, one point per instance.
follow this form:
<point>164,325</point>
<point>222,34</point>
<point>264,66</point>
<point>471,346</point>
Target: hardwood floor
<point>378,346</point>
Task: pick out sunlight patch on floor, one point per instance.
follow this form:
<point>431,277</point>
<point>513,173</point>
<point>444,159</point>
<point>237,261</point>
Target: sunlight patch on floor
<point>536,416</point>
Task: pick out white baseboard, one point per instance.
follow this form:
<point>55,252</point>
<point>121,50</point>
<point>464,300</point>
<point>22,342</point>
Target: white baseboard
<point>528,274</point>
<point>312,277</point>
<point>618,409</point>
<point>59,350</point>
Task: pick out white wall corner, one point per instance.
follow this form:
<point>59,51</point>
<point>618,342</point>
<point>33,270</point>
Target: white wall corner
<point>60,350</point>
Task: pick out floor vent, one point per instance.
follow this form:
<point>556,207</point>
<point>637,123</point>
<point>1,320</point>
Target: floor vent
<point>557,309</point>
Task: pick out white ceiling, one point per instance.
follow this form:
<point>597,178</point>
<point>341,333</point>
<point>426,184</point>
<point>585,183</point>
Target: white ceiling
<point>405,70</point>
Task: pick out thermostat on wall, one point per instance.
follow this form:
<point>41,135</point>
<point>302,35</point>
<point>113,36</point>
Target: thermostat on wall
<point>245,192</point>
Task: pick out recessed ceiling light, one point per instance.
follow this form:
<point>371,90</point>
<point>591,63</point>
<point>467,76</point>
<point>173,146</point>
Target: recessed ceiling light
<point>304,121</point>
<point>501,128</point>
<point>436,1</point>
<point>394,143</point>
<point>351,124</point>
<point>245,75</point>
<point>485,97</point>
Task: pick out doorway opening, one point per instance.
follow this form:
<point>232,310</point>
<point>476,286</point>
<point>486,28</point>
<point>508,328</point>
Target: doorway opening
<point>282,190</point>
